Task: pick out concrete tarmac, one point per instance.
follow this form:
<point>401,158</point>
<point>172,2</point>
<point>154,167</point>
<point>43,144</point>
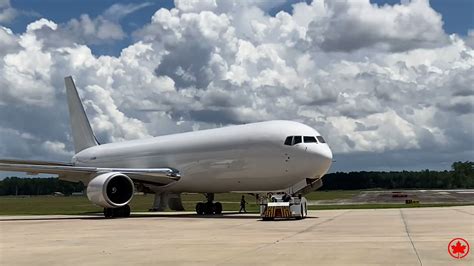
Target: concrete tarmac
<point>418,236</point>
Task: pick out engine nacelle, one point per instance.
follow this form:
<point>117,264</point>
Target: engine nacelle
<point>110,190</point>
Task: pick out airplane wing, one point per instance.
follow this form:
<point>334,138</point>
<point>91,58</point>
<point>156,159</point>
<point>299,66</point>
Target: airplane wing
<point>157,176</point>
<point>14,161</point>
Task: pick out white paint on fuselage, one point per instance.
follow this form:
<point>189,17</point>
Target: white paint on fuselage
<point>250,157</point>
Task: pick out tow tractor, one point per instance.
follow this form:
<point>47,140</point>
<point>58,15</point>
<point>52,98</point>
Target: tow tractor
<point>283,206</point>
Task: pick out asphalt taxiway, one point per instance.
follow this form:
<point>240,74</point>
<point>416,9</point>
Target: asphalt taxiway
<point>417,236</point>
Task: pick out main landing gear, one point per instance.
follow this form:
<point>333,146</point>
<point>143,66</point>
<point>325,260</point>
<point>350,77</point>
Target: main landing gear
<point>123,211</point>
<point>209,207</point>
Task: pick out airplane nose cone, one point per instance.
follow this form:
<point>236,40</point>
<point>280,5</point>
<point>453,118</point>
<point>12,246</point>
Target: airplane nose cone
<point>321,157</point>
<point>326,153</point>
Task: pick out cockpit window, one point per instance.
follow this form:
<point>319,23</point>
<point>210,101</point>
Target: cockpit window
<point>293,140</point>
<point>309,139</point>
<point>296,140</point>
<point>321,139</point>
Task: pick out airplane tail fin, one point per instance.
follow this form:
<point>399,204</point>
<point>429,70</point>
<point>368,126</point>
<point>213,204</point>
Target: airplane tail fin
<point>82,134</point>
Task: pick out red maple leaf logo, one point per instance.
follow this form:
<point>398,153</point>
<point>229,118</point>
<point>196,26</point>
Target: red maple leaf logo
<point>458,248</point>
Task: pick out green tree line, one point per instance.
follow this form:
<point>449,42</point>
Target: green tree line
<point>37,186</point>
<point>460,176</point>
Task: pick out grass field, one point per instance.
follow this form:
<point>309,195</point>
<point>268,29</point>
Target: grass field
<point>45,205</point>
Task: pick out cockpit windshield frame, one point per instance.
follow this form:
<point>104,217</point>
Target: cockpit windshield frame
<point>293,140</point>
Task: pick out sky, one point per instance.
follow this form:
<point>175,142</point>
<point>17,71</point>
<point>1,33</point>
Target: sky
<point>388,83</point>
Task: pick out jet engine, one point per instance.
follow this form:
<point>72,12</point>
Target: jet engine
<point>110,190</point>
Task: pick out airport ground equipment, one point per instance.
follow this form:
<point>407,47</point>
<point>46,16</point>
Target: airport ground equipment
<point>277,207</point>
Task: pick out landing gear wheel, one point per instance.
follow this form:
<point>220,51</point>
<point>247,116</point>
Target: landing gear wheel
<point>126,211</point>
<point>108,212</point>
<point>118,212</point>
<point>208,208</point>
<point>217,208</point>
<point>200,208</point>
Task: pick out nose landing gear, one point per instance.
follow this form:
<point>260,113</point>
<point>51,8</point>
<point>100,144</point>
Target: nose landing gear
<point>209,207</point>
<point>123,211</point>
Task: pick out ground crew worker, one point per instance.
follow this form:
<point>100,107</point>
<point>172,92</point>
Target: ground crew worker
<point>242,204</point>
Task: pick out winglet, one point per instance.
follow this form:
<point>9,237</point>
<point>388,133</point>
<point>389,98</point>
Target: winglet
<point>82,134</point>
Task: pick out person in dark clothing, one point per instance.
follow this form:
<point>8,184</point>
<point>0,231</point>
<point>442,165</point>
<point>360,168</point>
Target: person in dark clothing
<point>242,204</point>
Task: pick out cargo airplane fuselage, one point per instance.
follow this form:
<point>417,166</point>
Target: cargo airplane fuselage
<point>250,157</point>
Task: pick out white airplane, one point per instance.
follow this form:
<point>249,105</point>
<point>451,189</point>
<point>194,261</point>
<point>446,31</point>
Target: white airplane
<point>251,158</point>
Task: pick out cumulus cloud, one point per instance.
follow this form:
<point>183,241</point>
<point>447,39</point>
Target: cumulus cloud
<point>470,38</point>
<point>351,25</point>
<point>382,83</point>
<point>56,147</point>
<point>119,11</point>
<point>7,12</point>
<point>105,28</point>
<point>224,6</point>
<point>8,41</point>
